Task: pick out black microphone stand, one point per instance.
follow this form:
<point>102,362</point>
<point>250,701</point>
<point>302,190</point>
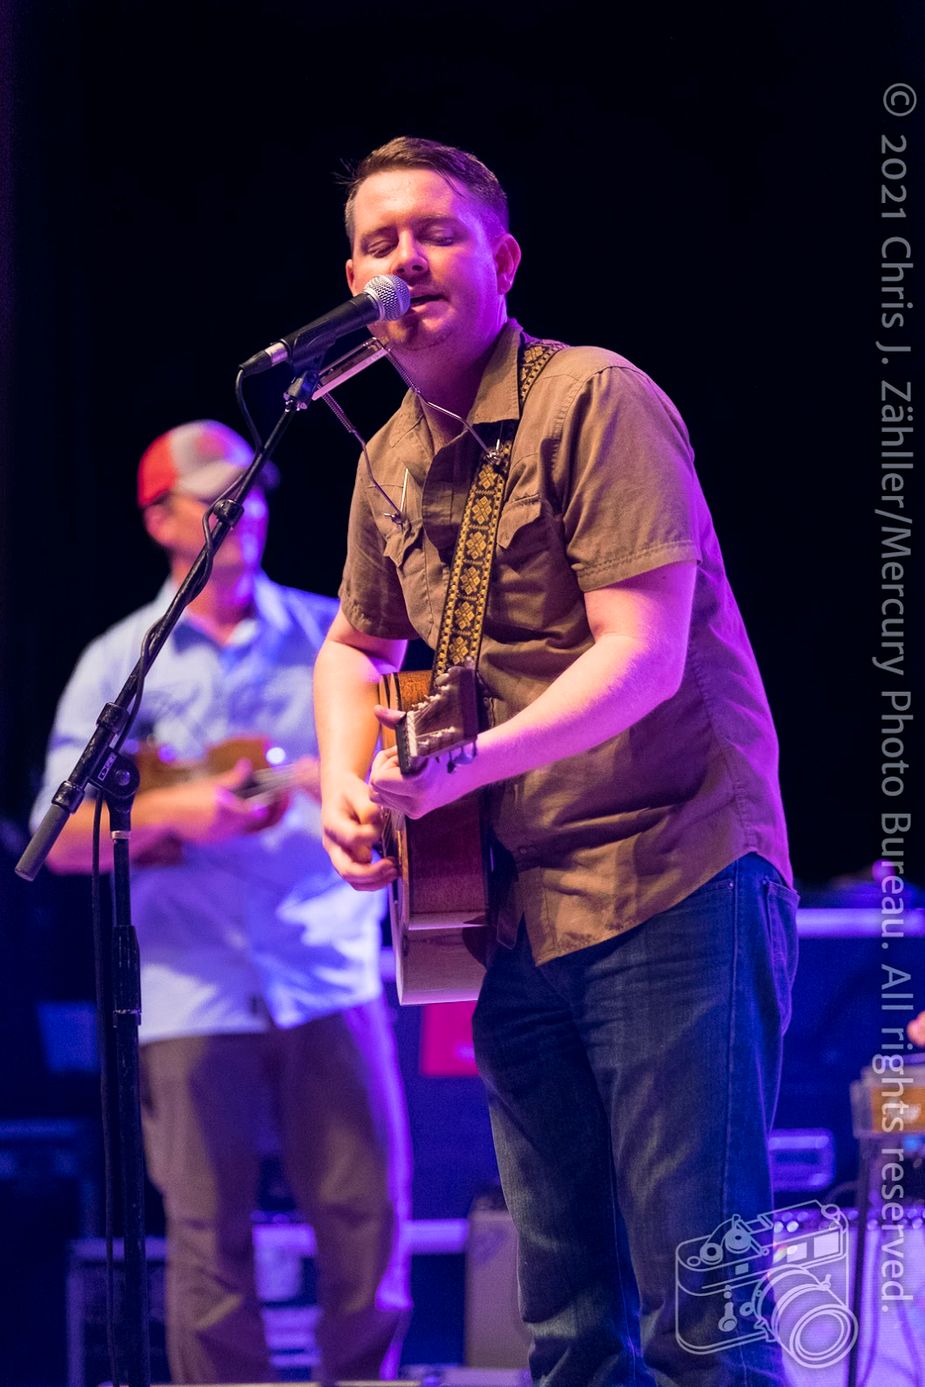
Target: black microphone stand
<point>116,778</point>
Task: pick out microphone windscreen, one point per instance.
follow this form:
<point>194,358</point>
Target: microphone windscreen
<point>391,294</point>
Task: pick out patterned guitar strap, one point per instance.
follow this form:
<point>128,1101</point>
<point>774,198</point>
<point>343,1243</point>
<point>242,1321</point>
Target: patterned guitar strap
<point>460,636</point>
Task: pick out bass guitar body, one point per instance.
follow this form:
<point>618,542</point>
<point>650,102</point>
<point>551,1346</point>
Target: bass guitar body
<point>439,902</point>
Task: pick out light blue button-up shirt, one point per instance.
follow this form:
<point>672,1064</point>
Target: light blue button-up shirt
<point>259,926</point>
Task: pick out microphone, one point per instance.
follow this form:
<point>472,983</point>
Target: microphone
<point>385,296</point>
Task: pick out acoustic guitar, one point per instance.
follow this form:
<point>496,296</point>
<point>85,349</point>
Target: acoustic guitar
<point>438,904</point>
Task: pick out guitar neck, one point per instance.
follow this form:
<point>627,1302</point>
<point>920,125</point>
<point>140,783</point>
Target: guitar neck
<point>446,719</point>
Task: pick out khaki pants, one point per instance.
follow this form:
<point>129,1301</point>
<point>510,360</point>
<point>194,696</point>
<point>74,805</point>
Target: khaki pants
<point>343,1129</point>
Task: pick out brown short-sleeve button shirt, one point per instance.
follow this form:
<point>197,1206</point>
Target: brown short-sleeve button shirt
<point>601,487</point>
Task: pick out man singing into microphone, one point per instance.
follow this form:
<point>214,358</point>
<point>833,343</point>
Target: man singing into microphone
<point>630,1021</point>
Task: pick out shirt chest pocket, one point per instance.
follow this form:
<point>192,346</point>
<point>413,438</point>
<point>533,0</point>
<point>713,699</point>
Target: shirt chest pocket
<point>532,584</point>
<point>401,542</point>
<point>403,546</point>
<point>526,530</point>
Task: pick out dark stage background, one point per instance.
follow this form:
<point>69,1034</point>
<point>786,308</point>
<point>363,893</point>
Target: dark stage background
<point>696,188</point>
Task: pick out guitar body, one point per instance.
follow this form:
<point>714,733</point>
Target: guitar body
<point>439,902</point>
<point>157,768</point>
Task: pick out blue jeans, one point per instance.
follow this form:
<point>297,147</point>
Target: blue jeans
<point>632,1087</point>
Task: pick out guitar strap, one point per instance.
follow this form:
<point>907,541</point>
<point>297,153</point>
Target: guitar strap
<point>460,635</point>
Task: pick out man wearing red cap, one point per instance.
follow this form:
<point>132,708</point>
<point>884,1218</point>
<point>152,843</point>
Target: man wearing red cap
<point>260,980</point>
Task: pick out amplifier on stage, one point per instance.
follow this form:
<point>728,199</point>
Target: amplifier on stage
<point>889,1098</point>
<point>802,1159</point>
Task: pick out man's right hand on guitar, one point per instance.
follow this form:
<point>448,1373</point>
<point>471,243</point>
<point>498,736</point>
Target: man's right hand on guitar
<point>351,827</point>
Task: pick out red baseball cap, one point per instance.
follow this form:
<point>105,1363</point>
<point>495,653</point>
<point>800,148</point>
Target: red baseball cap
<point>199,459</point>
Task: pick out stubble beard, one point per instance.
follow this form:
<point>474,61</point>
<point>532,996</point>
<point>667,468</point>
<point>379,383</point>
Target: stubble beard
<point>416,338</point>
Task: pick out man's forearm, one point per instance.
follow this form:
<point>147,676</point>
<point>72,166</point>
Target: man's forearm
<point>346,675</point>
<point>636,661</point>
<point>605,691</point>
<point>345,694</point>
<point>611,686</point>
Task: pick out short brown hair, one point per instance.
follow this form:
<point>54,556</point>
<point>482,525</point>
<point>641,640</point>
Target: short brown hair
<point>410,152</point>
